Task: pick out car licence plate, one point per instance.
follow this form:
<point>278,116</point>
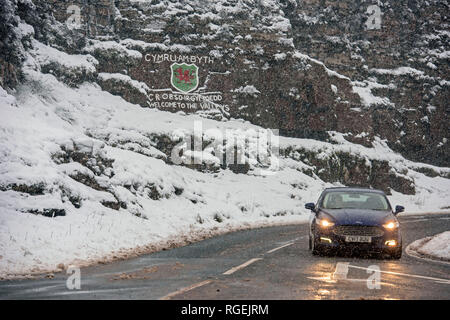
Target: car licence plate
<point>358,239</point>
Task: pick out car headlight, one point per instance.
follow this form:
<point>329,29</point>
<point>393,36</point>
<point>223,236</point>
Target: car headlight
<point>391,225</point>
<point>324,223</point>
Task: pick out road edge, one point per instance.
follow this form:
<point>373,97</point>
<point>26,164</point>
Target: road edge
<point>425,257</point>
<point>180,240</point>
<point>175,242</point>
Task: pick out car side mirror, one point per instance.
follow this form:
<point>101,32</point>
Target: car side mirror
<point>310,206</point>
<point>399,209</point>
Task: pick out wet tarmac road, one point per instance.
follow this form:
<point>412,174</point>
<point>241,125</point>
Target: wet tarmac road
<point>267,263</point>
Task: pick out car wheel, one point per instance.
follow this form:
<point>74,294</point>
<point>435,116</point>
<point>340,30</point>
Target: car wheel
<point>315,248</point>
<point>397,254</point>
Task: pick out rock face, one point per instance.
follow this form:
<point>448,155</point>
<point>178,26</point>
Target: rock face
<point>14,39</point>
<point>402,45</point>
<point>384,70</point>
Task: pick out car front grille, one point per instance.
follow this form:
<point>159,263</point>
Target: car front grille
<point>358,231</point>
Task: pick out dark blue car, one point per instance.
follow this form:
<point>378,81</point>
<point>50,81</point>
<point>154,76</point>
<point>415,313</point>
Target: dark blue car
<point>358,219</point>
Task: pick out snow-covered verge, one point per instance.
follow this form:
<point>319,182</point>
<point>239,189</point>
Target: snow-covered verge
<point>59,185</point>
<point>84,177</point>
<point>434,247</point>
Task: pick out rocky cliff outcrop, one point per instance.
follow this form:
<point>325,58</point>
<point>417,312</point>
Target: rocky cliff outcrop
<point>256,61</point>
<point>366,68</point>
<point>403,46</point>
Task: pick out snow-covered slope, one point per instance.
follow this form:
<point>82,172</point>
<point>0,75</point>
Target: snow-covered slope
<point>84,177</point>
<point>158,201</point>
<point>88,176</point>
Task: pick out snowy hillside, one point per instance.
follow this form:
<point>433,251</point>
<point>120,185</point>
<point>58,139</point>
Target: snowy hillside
<point>90,159</point>
<point>87,174</point>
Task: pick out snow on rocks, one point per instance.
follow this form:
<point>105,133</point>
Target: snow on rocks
<point>104,163</point>
<point>112,46</point>
<point>71,69</point>
<point>364,90</point>
<point>115,199</point>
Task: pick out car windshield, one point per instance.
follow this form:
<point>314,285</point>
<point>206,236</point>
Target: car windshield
<point>355,200</point>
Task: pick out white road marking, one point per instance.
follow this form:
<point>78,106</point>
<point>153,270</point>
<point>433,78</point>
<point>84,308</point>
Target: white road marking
<point>341,271</point>
<point>418,220</point>
<point>283,246</point>
<point>99,291</point>
<point>234,269</point>
<point>228,272</point>
<point>324,279</point>
<point>445,281</point>
<point>184,290</point>
<point>329,279</point>
<point>46,288</point>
